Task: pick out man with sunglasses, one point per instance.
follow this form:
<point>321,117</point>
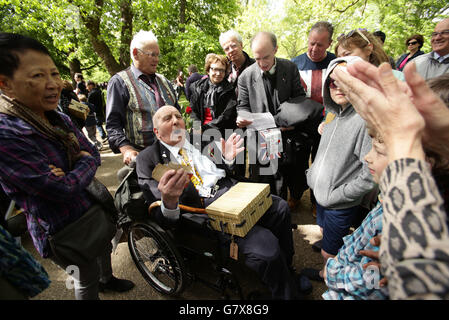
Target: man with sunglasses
<point>134,95</point>
<point>436,63</point>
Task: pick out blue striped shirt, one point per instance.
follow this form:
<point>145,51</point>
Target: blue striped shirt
<point>26,178</point>
<point>345,276</point>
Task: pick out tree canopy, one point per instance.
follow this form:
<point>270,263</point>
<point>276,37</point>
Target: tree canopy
<point>93,36</point>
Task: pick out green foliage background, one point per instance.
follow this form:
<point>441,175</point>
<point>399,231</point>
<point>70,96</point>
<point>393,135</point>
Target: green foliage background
<point>93,36</point>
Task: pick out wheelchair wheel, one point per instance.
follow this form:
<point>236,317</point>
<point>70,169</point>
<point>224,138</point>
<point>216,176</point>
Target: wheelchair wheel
<point>157,258</point>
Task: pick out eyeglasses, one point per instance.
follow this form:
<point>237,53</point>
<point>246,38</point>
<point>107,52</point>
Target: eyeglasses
<point>219,70</point>
<point>151,54</point>
<point>442,33</point>
<point>351,33</point>
<point>412,43</point>
<point>231,46</point>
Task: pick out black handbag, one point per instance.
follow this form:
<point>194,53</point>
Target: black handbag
<point>99,193</point>
<point>84,239</point>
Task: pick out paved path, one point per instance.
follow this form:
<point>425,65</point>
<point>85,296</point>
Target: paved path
<point>124,267</point>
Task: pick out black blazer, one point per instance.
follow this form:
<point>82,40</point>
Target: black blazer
<point>224,105</point>
<point>146,162</point>
<point>292,107</point>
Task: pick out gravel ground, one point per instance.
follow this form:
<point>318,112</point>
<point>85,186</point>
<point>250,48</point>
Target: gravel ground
<point>123,266</point>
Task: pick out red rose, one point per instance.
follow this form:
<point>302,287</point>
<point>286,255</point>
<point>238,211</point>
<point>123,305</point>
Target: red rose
<point>188,110</point>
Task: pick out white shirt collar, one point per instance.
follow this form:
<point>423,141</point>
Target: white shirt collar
<point>273,68</point>
<point>439,58</point>
<point>175,149</point>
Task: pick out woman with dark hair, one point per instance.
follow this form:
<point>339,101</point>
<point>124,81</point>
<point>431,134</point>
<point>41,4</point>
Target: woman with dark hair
<point>213,99</point>
<point>413,45</point>
<point>47,163</point>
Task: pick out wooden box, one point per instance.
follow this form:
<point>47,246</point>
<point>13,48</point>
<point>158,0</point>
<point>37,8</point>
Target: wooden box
<point>240,208</point>
<point>78,109</point>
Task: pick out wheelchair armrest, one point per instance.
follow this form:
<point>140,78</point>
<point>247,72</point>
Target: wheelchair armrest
<point>153,206</point>
<point>158,203</point>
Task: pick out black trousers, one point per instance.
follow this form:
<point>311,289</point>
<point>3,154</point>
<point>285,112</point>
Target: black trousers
<point>268,247</point>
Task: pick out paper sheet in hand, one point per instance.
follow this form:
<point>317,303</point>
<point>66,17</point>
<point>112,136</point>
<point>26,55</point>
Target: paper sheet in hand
<point>161,169</point>
<point>260,121</point>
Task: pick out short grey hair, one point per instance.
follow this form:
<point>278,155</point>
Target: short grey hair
<point>323,26</point>
<point>229,35</point>
<point>141,39</point>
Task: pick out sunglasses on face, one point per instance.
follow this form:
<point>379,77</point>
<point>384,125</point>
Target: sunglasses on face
<point>412,43</point>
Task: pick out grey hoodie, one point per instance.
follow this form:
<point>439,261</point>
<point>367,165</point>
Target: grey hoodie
<point>339,175</point>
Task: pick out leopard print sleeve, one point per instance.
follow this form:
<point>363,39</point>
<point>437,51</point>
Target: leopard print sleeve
<point>414,251</point>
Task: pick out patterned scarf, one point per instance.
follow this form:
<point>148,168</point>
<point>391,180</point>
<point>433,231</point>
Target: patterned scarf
<point>56,130</point>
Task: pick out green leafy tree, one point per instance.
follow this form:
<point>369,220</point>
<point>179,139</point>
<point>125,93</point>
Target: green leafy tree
<point>93,36</point>
<point>291,20</point>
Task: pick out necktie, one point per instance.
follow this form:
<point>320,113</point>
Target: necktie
<point>269,84</point>
<point>195,178</point>
<point>151,81</point>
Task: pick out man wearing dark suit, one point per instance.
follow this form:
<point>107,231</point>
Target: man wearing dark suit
<point>273,85</point>
<point>267,247</point>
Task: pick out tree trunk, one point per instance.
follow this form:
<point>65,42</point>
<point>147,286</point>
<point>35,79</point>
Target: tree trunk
<point>182,15</point>
<point>75,67</point>
<point>92,23</point>
<point>126,32</point>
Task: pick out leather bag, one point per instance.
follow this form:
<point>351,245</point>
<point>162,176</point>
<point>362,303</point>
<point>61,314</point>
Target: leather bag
<point>84,239</point>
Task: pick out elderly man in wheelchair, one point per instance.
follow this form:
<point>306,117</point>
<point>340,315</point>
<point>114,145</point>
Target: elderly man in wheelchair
<point>267,248</point>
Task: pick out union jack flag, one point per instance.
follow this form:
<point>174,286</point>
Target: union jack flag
<point>264,150</point>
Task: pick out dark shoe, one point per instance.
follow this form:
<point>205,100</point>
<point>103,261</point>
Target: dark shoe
<point>304,285</point>
<point>116,285</point>
<point>317,246</point>
<point>312,274</point>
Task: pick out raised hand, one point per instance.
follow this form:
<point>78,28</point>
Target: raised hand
<point>231,148</point>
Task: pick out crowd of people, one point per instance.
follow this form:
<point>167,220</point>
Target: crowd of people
<point>371,144</point>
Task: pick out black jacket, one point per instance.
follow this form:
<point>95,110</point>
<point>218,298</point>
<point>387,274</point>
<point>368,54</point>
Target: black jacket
<point>224,108</point>
<point>401,58</point>
<point>96,98</point>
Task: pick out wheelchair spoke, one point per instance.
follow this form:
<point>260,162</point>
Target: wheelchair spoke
<point>156,259</point>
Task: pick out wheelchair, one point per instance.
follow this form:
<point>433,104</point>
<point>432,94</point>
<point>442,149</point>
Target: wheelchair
<point>166,255</point>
